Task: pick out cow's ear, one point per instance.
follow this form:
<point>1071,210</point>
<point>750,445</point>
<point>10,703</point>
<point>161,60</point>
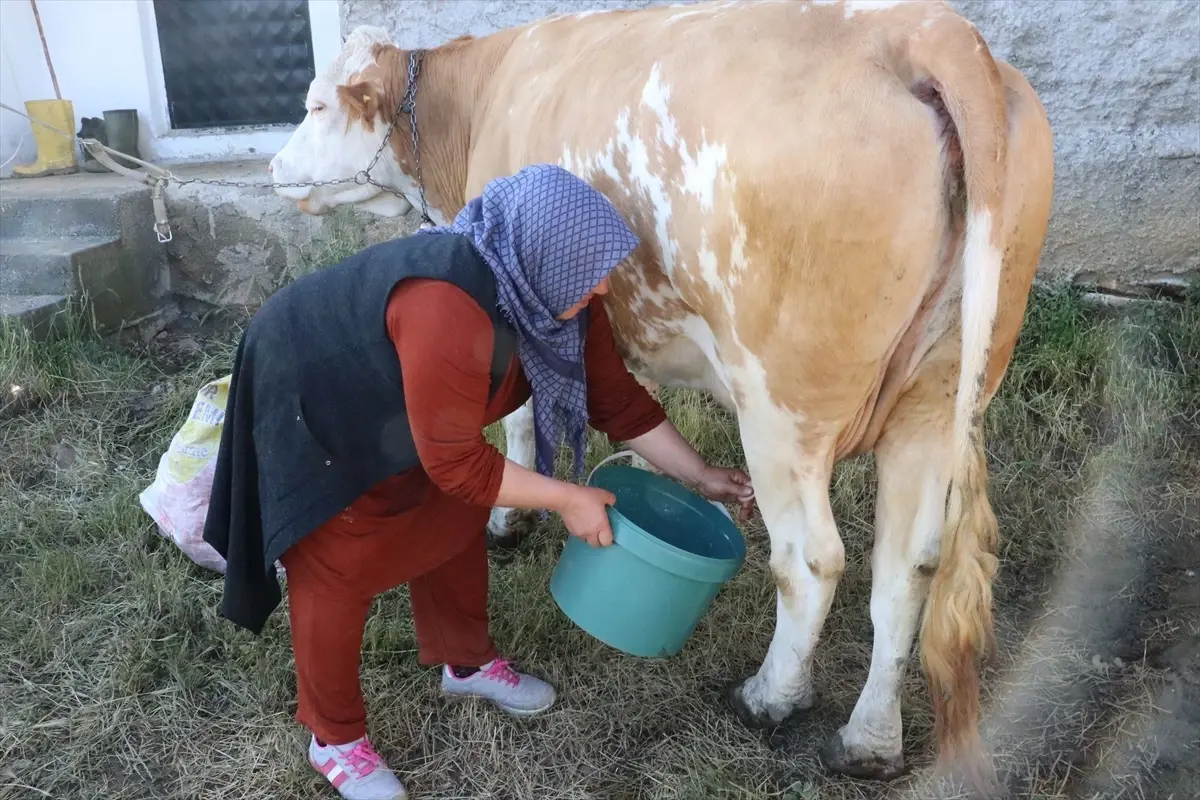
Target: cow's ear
<point>360,100</point>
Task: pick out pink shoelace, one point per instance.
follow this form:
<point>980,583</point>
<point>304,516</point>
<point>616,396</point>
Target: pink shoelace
<point>501,671</point>
<point>363,759</point>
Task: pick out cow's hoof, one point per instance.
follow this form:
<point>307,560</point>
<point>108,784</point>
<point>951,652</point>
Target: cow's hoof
<point>755,720</point>
<point>516,527</point>
<point>509,540</point>
<point>839,760</point>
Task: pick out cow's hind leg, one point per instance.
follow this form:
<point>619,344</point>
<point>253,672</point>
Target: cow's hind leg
<point>506,526</point>
<point>791,484</point>
<point>913,462</point>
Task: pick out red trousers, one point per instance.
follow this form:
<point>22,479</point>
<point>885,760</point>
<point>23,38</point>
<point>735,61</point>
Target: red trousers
<point>334,574</point>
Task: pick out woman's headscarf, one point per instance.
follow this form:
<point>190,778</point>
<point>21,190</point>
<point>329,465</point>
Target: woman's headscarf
<point>550,238</point>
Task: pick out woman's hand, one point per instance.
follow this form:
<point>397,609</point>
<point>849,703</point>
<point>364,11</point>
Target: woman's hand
<point>727,486</point>
<point>665,448</point>
<point>582,508</point>
<point>585,515</point>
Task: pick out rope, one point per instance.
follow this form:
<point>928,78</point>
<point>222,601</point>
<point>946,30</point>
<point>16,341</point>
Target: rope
<point>16,152</point>
<point>91,144</point>
<point>158,178</point>
<point>155,177</point>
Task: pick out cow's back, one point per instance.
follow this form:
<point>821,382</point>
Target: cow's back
<point>763,138</point>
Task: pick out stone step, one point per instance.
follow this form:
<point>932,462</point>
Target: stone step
<point>52,266</point>
<point>33,311</point>
<point>87,237</point>
<point>45,208</point>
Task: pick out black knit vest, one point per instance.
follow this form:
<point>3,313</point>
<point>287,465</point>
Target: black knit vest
<point>329,410</point>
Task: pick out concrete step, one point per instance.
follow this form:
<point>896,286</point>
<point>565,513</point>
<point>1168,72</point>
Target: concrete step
<point>87,237</point>
<point>46,208</point>
<point>51,266</point>
<point>33,311</point>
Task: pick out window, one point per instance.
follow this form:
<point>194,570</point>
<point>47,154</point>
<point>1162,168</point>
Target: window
<point>235,63</point>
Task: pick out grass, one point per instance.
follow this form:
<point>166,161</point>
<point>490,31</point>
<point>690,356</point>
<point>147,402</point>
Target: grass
<point>117,679</point>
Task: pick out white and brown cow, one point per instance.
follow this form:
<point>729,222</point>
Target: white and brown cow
<point>841,204</point>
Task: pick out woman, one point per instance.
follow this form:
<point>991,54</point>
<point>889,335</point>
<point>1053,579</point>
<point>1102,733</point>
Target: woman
<point>353,446</point>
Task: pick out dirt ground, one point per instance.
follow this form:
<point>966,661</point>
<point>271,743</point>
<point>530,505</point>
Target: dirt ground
<point>117,679</point>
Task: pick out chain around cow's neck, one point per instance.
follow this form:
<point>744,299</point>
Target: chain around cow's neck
<point>408,105</point>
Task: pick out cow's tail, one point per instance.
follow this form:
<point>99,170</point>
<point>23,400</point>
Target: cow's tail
<point>957,628</point>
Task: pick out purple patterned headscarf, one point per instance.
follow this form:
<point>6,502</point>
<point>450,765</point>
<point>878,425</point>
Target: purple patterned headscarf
<point>549,237</point>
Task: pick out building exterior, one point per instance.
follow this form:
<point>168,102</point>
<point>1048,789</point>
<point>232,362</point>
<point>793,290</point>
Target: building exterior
<point>1119,79</point>
<point>210,80</point>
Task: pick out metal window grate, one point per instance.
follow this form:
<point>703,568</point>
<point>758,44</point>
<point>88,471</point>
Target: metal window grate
<point>230,63</point>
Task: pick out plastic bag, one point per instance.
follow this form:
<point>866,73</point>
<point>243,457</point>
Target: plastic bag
<point>177,500</point>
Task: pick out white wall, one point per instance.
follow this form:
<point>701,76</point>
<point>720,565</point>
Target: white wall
<point>106,56</point>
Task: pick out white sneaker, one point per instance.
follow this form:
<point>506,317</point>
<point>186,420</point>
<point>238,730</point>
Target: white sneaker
<point>356,770</point>
<point>496,681</point>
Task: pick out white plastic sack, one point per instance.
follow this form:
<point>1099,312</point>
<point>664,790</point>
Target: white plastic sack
<point>177,500</point>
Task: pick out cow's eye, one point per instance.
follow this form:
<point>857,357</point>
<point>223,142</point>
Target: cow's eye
<point>317,108</point>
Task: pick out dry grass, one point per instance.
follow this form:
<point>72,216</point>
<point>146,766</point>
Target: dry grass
<point>117,679</point>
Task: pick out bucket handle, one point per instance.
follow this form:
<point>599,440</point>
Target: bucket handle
<point>629,453</point>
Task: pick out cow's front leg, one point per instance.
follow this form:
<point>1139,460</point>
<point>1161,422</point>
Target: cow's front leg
<point>807,559</point>
<point>506,526</point>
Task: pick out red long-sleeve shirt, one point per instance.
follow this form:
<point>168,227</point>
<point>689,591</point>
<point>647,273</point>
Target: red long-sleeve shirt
<point>444,341</point>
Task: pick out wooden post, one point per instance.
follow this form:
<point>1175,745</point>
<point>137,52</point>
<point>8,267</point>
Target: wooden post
<point>42,35</point>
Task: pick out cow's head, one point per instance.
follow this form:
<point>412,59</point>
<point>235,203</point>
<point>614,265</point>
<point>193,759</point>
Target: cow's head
<point>350,106</point>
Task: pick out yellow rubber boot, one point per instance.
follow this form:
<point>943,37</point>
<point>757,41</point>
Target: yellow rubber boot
<point>56,153</point>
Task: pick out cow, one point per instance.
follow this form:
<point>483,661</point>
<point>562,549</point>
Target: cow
<point>841,205</point>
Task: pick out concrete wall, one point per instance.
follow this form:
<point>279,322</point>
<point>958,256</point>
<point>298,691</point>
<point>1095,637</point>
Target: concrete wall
<point>1118,78</point>
<point>234,246</point>
<point>106,56</point>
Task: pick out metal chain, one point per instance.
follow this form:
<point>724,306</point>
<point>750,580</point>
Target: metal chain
<point>407,106</point>
<point>362,177</point>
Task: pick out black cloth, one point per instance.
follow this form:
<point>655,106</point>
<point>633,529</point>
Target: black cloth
<point>316,414</point>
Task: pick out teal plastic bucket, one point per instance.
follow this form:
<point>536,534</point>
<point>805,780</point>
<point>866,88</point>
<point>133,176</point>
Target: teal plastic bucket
<point>672,551</point>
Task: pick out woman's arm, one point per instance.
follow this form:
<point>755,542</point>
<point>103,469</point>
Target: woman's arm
<point>527,489</point>
<point>447,371</point>
<point>621,407</point>
<point>665,448</point>
<point>581,507</point>
<point>618,406</point>
<point>446,377</point>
